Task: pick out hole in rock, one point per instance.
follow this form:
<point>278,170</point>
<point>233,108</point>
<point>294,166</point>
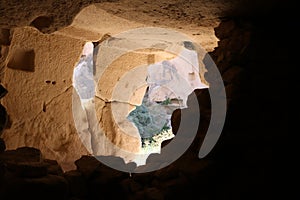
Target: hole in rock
<point>4,36</point>
<point>130,108</point>
<point>153,121</point>
<point>83,80</point>
<point>169,84</point>
<point>22,60</point>
<point>42,22</point>
<point>44,107</point>
<point>83,83</point>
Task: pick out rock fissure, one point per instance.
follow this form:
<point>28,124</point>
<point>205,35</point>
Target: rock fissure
<point>114,101</point>
<point>45,104</point>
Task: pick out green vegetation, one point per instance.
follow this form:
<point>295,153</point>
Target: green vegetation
<point>151,119</point>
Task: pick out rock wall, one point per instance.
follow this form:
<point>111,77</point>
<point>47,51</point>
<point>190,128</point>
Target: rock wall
<point>242,164</point>
<point>39,80</point>
<point>38,75</point>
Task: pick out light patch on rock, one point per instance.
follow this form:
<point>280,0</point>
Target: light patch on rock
<point>134,100</point>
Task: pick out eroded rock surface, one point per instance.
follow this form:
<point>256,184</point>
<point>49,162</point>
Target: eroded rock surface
<point>39,101</point>
<point>39,69</point>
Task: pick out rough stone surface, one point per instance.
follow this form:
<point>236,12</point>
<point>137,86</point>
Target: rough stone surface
<point>28,169</point>
<point>2,145</point>
<point>243,157</point>
<point>3,118</point>
<point>77,183</point>
<point>47,187</point>
<point>25,162</point>
<point>41,123</point>
<point>47,16</point>
<point>40,68</point>
<point>51,16</point>
<point>22,154</point>
<point>4,36</point>
<point>3,55</point>
<point>53,167</point>
<point>87,165</point>
<point>180,180</point>
<point>2,171</point>
<point>3,91</point>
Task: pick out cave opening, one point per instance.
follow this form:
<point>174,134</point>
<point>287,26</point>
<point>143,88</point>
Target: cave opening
<point>83,74</point>
<point>167,83</point>
<point>47,81</point>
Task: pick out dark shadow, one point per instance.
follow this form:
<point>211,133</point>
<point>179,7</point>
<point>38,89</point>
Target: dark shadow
<point>42,22</point>
<point>22,60</point>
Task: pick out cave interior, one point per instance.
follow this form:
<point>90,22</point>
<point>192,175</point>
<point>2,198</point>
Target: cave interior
<point>42,47</point>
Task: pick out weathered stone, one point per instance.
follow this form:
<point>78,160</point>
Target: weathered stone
<point>196,167</point>
<point>224,30</point>
<point>104,173</point>
<point>87,165</point>
<point>220,49</point>
<point>130,185</point>
<point>104,181</point>
<point>22,155</point>
<point>2,171</point>
<point>3,118</point>
<point>2,145</point>
<point>4,36</point>
<point>28,169</point>
<point>153,194</point>
<point>143,178</point>
<point>48,187</point>
<point>223,66</point>
<point>53,167</point>
<point>176,183</point>
<point>51,59</point>
<point>45,123</point>
<point>22,60</point>
<point>115,103</point>
<point>77,183</point>
<point>25,162</point>
<point>3,91</point>
<point>232,75</point>
<point>3,54</point>
<point>231,90</point>
<point>42,22</point>
<point>47,21</point>
<point>166,173</point>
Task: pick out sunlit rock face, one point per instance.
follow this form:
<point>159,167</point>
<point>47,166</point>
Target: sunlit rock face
<point>101,121</point>
<point>135,94</point>
<point>175,79</point>
<point>83,81</point>
<point>169,84</point>
<point>39,77</point>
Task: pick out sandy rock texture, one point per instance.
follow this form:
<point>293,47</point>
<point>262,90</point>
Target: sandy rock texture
<point>239,168</point>
<point>47,15</point>
<point>39,68</point>
<point>39,80</point>
<point>38,75</point>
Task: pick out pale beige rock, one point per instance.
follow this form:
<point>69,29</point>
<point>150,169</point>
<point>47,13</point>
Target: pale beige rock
<point>40,102</point>
<point>176,78</point>
<point>48,15</point>
<point>40,96</point>
<point>117,95</point>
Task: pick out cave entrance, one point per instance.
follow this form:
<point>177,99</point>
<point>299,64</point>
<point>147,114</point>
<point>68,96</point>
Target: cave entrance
<point>124,107</point>
<point>153,121</point>
<point>83,80</point>
<point>169,84</point>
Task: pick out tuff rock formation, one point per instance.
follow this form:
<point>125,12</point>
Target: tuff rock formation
<point>39,75</point>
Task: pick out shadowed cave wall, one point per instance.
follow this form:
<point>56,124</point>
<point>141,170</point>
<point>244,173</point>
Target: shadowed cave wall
<point>251,57</point>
